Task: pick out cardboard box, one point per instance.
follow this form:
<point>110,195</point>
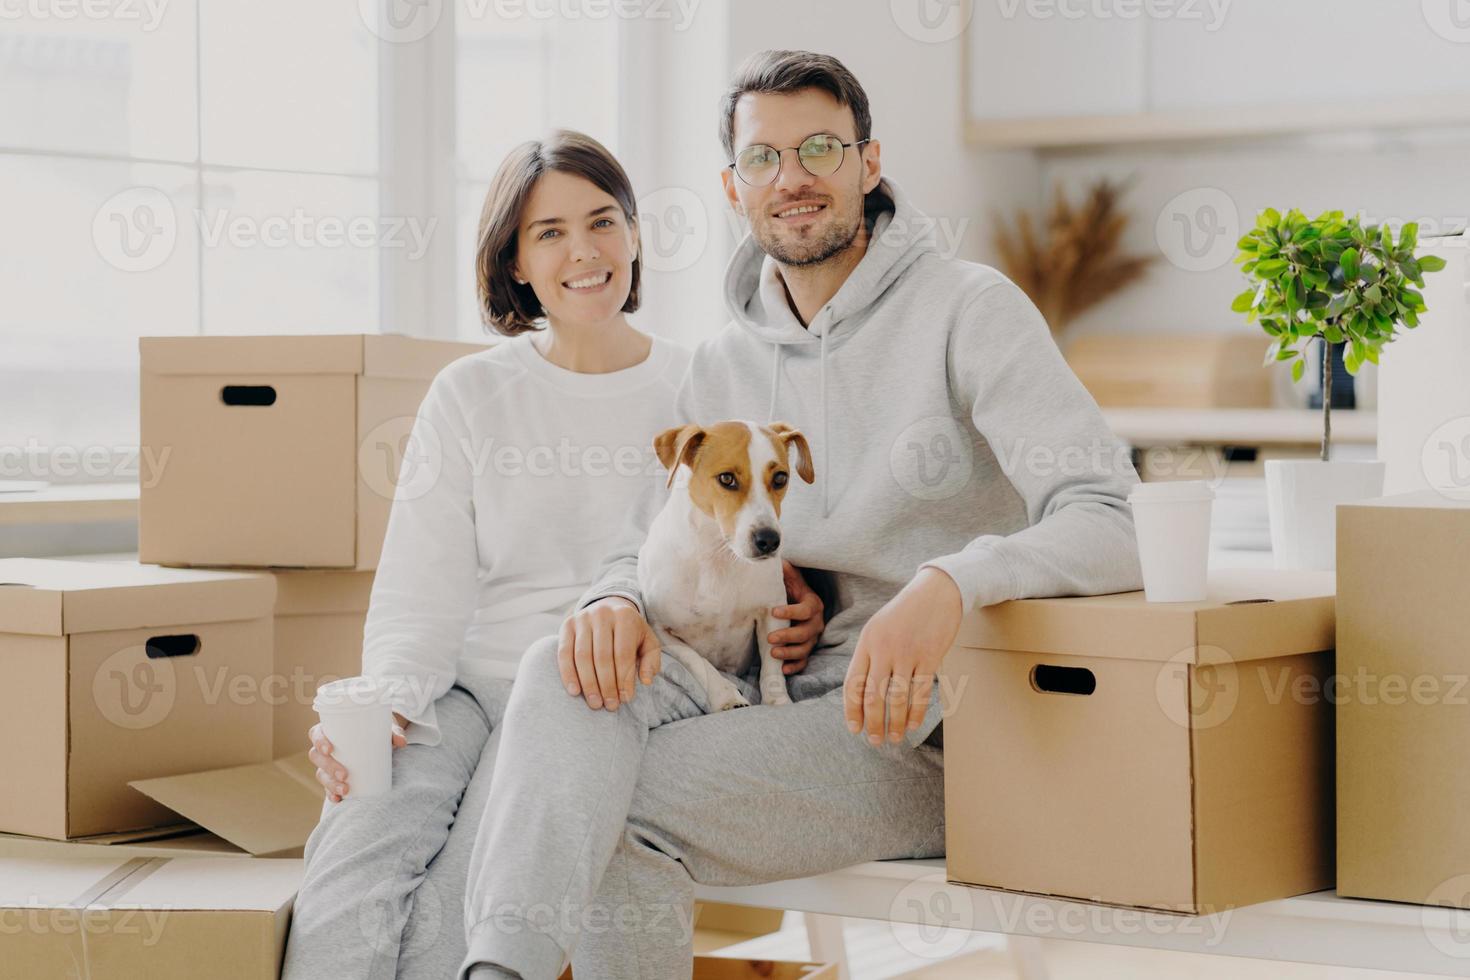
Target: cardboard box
<point>719,968</point>
<point>125,671</point>
<point>137,918</point>
<point>319,622</point>
<point>1402,786</point>
<point>181,840</point>
<point>265,809</point>
<point>1173,756</point>
<point>279,450</point>
<point>319,617</point>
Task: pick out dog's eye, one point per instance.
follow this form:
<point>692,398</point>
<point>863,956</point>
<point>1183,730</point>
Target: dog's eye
<point>779,480</point>
<point>728,481</point>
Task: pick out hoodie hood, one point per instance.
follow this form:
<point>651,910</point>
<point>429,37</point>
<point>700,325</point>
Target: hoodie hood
<point>756,293</point>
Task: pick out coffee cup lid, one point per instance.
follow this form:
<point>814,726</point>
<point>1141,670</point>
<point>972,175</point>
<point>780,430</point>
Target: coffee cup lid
<point>350,694</point>
<point>1171,490</point>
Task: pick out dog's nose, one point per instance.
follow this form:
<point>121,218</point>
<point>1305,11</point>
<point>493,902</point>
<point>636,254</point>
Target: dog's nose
<point>766,540</point>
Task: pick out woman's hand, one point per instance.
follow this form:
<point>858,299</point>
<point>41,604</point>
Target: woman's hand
<point>898,654</point>
<point>795,643</point>
<point>602,648</point>
<point>331,773</point>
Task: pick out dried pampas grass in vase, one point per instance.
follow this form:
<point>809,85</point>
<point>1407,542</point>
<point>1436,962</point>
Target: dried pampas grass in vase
<point>1076,261</point>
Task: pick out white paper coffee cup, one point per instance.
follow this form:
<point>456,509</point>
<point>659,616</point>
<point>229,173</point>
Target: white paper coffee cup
<point>358,720</point>
<point>1172,521</point>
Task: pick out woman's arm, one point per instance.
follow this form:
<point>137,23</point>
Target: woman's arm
<point>424,593</point>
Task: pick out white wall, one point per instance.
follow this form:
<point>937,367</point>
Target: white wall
<point>1191,204</point>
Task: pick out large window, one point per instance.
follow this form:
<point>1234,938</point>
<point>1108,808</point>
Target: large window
<point>520,71</point>
<point>218,167</point>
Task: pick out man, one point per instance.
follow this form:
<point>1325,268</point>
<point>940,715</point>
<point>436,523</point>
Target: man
<point>959,464</point>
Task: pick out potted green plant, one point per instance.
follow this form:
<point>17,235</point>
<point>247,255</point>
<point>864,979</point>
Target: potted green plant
<point>1332,280</point>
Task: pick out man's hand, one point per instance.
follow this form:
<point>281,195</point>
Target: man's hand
<point>898,654</point>
<point>601,649</point>
<point>795,643</point>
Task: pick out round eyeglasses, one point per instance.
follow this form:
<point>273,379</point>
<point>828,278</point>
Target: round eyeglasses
<point>819,155</point>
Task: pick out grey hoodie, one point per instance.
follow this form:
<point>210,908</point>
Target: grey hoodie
<point>947,432</point>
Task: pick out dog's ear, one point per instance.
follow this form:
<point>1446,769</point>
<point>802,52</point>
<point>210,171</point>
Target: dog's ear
<point>790,437</point>
<point>674,445</point>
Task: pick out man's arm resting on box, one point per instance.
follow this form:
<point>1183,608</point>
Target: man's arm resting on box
<point>1079,540</point>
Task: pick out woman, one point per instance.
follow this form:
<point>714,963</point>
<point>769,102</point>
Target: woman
<point>523,465</point>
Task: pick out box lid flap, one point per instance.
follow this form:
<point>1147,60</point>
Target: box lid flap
<point>396,356</point>
<point>266,808</point>
<point>270,354</point>
<point>378,355</point>
<point>189,840</point>
<point>54,596</point>
<point>1248,614</point>
<point>308,592</point>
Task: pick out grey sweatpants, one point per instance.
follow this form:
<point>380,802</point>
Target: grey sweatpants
<point>598,823</point>
<point>383,890</point>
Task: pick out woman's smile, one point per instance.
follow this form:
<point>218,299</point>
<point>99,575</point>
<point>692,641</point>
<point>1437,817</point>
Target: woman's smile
<point>589,282</point>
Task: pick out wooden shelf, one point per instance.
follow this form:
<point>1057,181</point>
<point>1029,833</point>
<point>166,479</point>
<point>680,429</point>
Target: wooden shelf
<point>1152,127</point>
<point>70,504</point>
<point>1239,426</point>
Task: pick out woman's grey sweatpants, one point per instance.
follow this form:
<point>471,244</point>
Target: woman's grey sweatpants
<point>598,823</point>
<point>383,890</point>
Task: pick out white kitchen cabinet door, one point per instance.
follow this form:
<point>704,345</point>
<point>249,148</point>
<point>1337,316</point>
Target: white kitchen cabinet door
<point>1034,59</point>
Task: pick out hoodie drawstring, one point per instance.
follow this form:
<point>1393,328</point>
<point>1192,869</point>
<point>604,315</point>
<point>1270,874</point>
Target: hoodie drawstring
<point>826,473</point>
<point>771,415</point>
<point>775,381</point>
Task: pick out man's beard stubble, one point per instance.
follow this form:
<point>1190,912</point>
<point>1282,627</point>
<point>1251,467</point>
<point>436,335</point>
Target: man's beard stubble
<point>837,238</point>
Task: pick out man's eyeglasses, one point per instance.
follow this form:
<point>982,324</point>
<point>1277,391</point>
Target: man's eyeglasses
<point>819,155</point>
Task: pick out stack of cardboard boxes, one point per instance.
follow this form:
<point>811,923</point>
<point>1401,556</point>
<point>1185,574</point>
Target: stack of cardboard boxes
<point>1292,732</point>
<point>155,697</point>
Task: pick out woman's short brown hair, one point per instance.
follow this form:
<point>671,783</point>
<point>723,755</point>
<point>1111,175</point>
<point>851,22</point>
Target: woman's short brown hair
<point>510,307</point>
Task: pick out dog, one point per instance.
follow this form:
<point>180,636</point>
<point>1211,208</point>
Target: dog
<point>710,568</point>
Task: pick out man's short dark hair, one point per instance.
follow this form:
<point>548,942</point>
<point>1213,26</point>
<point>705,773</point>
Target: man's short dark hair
<point>784,72</point>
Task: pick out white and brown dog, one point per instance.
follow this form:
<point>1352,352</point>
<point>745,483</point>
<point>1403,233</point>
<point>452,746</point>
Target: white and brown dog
<point>710,569</point>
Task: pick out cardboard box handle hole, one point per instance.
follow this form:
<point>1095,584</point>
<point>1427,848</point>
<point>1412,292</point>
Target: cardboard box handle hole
<point>1050,679</point>
<point>174,645</point>
<point>1248,602</point>
<point>248,395</point>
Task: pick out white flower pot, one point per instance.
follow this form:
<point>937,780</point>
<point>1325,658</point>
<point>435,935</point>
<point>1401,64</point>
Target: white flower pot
<point>1302,497</point>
